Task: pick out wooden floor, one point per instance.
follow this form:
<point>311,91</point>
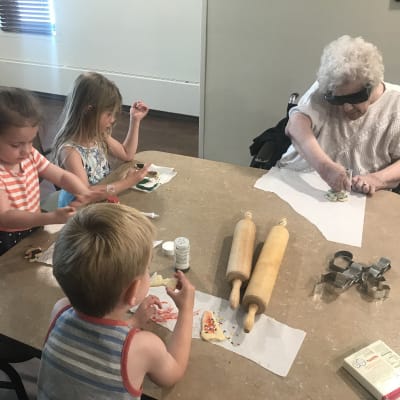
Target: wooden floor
<point>159,131</point>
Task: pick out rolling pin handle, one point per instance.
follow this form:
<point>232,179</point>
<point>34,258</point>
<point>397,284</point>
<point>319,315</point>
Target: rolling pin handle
<point>249,321</point>
<point>234,298</point>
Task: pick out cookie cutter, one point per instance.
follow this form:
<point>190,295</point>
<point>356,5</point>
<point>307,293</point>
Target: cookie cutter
<point>344,273</point>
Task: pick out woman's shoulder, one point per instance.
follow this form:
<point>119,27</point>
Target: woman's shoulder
<point>392,87</point>
<point>390,99</point>
<point>312,105</point>
<point>386,108</point>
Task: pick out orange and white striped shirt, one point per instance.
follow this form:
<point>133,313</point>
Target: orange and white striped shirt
<point>22,187</point>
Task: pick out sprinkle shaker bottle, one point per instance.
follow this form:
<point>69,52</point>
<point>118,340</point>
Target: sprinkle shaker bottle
<point>182,254</point>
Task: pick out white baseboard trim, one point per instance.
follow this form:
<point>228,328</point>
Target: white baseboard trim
<point>160,94</point>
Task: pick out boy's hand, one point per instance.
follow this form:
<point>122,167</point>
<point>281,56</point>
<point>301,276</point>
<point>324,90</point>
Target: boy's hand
<point>146,311</point>
<point>138,110</point>
<point>184,296</point>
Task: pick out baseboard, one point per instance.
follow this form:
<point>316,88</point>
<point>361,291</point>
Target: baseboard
<point>182,97</point>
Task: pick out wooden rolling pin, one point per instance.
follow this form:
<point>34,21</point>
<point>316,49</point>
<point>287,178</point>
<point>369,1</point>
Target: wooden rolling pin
<point>262,281</point>
<point>241,256</point>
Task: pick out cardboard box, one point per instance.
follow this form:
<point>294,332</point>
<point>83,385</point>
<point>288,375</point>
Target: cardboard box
<point>377,368</point>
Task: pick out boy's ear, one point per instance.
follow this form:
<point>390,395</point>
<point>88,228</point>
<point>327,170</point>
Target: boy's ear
<point>130,293</point>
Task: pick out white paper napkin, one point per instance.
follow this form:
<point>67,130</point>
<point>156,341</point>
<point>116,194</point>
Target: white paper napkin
<point>270,344</point>
<point>340,222</point>
<point>165,174</point>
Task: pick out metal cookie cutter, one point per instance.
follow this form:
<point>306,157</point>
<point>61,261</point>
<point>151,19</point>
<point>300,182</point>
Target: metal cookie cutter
<point>344,272</point>
<point>373,283</point>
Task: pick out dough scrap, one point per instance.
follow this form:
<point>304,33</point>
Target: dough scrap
<point>33,253</point>
<point>158,280</point>
<point>337,196</point>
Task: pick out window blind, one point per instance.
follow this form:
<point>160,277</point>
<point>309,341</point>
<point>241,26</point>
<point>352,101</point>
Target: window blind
<point>27,16</point>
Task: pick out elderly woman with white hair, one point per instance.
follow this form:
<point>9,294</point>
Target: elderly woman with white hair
<point>348,119</point>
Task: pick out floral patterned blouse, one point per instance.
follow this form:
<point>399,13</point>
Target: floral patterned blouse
<point>96,165</point>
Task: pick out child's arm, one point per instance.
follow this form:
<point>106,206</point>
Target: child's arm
<point>18,219</point>
<point>165,364</point>
<point>72,184</point>
<point>66,180</point>
<point>73,163</point>
<point>133,177</point>
<point>127,150</point>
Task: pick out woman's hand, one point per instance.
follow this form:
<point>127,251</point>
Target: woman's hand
<point>139,110</point>
<point>145,311</point>
<point>367,184</point>
<point>335,176</point>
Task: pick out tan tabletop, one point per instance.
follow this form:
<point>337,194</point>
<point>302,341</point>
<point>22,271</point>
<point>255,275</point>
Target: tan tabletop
<point>204,202</point>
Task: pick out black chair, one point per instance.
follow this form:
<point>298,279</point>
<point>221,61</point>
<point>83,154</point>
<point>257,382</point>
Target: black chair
<point>11,352</point>
<point>270,145</point>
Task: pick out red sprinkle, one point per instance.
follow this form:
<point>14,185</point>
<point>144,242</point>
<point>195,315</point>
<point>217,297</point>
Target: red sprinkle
<point>167,313</point>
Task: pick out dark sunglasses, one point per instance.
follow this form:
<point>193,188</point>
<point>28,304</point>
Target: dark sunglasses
<point>354,98</point>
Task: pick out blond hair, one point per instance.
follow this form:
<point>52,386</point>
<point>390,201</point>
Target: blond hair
<point>98,254</point>
<point>91,95</point>
<point>349,59</point>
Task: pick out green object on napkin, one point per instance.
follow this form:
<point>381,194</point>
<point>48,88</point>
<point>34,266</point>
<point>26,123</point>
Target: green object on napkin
<point>147,184</point>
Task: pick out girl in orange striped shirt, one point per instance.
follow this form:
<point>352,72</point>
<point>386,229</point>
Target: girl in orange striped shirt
<point>21,165</point>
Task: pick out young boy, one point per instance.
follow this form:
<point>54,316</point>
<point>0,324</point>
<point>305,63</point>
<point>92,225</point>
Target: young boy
<point>95,348</point>
<point>20,168</point>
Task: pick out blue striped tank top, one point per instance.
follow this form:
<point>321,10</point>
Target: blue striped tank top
<point>85,358</point>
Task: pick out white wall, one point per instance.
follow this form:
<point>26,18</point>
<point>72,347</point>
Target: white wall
<point>151,49</point>
<point>258,52</point>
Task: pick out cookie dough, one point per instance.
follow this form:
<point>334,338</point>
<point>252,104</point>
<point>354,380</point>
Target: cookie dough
<point>337,196</point>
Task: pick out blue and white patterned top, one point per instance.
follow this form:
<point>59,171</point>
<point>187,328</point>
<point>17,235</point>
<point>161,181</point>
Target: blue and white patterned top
<point>96,165</point>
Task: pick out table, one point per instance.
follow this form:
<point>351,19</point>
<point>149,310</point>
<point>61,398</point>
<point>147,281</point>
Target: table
<point>204,202</point>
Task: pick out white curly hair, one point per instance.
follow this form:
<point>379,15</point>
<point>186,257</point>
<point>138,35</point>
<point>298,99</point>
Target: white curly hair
<point>347,59</point>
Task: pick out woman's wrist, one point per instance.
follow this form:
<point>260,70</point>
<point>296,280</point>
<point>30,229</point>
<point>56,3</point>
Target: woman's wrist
<point>323,166</point>
<point>379,182</point>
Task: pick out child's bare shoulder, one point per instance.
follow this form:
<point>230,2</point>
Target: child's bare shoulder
<point>146,341</point>
<point>146,346</point>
